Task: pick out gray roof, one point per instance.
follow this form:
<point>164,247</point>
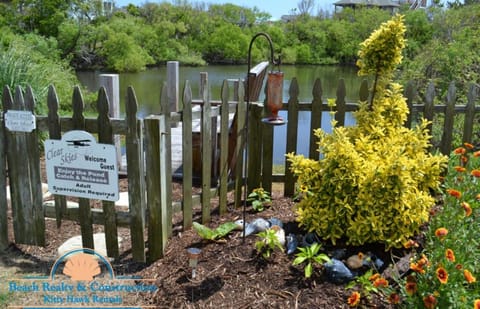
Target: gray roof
<point>380,3</point>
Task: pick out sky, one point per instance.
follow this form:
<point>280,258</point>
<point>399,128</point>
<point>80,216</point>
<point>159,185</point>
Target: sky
<point>276,8</point>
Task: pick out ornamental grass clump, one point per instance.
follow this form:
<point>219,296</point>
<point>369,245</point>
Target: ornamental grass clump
<point>373,180</point>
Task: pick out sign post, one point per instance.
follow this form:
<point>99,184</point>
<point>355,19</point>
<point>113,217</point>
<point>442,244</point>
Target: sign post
<point>77,166</point>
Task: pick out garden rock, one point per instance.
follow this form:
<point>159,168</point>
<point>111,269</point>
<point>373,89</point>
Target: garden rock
<point>76,243</point>
<point>337,272</point>
<point>355,261</point>
<point>280,233</point>
<point>275,221</point>
<point>309,239</point>
<point>256,226</point>
<point>292,243</point>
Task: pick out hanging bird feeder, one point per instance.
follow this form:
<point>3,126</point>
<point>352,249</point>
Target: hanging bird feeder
<point>274,98</point>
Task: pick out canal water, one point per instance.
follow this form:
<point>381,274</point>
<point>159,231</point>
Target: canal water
<point>148,85</point>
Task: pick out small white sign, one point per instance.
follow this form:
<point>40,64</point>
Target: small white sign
<point>77,166</point>
<point>20,121</point>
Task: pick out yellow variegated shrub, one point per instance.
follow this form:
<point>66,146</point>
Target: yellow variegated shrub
<point>373,181</point>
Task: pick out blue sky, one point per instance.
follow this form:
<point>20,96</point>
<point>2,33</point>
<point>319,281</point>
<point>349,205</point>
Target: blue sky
<point>276,8</point>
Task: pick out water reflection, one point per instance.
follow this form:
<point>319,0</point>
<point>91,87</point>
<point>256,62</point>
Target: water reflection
<point>148,85</point>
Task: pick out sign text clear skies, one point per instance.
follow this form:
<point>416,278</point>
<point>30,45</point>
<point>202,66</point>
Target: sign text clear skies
<point>275,8</point>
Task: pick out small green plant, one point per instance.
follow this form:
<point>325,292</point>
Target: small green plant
<point>368,283</point>
<point>268,243</point>
<point>215,234</point>
<point>310,255</point>
<point>259,199</point>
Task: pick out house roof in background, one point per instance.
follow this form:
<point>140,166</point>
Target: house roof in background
<point>380,3</point>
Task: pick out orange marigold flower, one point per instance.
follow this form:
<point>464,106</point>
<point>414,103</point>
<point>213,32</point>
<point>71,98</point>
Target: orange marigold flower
<point>467,208</point>
<point>460,169</point>
<point>394,298</point>
<point>468,145</point>
<point>459,266</point>
<point>460,151</point>
<point>411,288</point>
<point>380,282</point>
<point>410,244</point>
<point>475,173</point>
<point>442,275</point>
<point>429,301</point>
<point>454,193</point>
<point>468,276</point>
<point>354,299</point>
<point>441,232</point>
<point>476,154</point>
<point>450,255</point>
<point>476,304</point>
<point>464,159</point>
<point>374,277</point>
<point>417,267</point>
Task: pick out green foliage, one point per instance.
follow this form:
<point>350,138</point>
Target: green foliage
<point>446,272</point>
<point>268,243</point>
<point>215,234</point>
<point>259,199</point>
<point>31,60</point>
<point>373,181</point>
<point>449,53</point>
<point>310,255</point>
<point>365,283</point>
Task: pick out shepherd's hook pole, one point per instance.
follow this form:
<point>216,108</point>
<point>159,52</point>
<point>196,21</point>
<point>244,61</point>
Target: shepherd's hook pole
<point>247,87</point>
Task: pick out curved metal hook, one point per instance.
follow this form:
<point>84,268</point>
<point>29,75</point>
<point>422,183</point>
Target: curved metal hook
<point>272,59</point>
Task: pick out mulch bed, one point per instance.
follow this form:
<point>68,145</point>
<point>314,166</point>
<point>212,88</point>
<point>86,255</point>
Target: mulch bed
<point>230,273</point>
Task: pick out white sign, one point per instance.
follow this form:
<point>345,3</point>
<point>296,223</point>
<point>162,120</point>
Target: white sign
<point>77,166</point>
<point>20,121</point>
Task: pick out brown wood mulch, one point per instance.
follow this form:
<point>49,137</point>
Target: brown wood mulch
<point>230,273</point>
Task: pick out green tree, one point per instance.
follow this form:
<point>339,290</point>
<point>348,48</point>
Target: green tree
<point>43,16</point>
<point>227,44</point>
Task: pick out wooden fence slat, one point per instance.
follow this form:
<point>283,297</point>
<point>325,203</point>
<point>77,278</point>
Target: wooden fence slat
<point>340,103</point>
<point>105,136</point>
<point>166,210</point>
<point>14,170</point>
<point>254,147</point>
<point>85,213</point>
<point>428,107</point>
<point>223,160</point>
<point>447,136</point>
<point>3,181</point>
<point>364,93</point>
<point>23,209</point>
<point>239,147</point>
<point>315,118</point>
<point>166,151</point>
<point>206,135</point>
<point>54,132</point>
<point>267,149</point>
<point>292,131</point>
<point>152,175</point>
<point>472,96</point>
<point>410,93</point>
<point>187,164</point>
<point>136,176</point>
<point>33,161</point>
